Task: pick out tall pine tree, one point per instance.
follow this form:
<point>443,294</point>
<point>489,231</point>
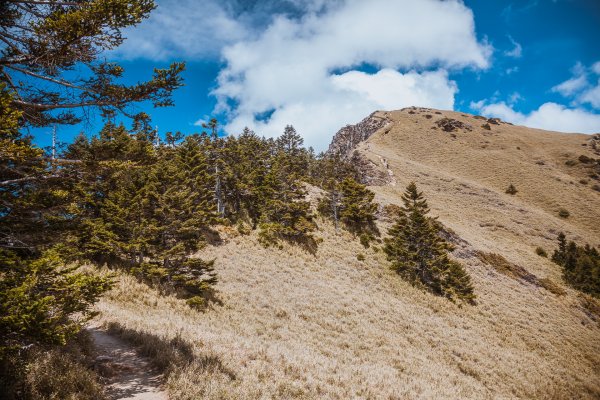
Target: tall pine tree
<point>420,255</point>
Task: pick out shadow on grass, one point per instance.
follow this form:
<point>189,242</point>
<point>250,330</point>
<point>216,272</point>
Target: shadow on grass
<point>169,355</point>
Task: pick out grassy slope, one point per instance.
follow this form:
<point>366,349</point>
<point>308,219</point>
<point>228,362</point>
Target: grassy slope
<point>293,325</point>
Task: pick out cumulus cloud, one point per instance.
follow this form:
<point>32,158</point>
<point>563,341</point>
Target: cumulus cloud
<point>579,88</point>
<point>339,99</point>
<point>592,96</point>
<point>306,71</point>
<point>571,86</point>
<point>183,28</point>
<point>191,29</point>
<point>549,116</point>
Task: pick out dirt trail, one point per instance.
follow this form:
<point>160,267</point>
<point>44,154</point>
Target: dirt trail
<point>129,375</point>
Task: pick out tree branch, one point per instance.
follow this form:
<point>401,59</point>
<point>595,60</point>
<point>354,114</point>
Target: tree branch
<point>41,2</point>
<point>45,107</point>
<point>27,179</point>
<point>49,79</point>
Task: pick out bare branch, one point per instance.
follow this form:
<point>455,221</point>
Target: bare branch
<point>45,107</point>
<point>28,179</point>
<point>41,2</point>
<point>49,79</point>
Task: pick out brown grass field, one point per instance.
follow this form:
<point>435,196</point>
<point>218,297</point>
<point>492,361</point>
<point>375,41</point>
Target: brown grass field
<point>289,324</point>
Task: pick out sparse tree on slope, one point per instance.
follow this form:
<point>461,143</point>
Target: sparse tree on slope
<point>419,254</point>
<point>580,264</point>
<point>357,209</point>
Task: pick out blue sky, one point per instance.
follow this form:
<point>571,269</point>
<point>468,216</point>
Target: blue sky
<point>321,64</point>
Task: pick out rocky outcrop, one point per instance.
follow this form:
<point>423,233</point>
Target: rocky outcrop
<point>370,173</point>
<point>451,125</point>
<point>346,139</point>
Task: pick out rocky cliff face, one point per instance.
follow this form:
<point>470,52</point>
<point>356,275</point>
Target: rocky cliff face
<point>345,140</point>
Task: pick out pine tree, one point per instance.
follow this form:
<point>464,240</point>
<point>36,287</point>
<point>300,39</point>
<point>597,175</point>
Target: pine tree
<point>289,145</point>
<point>246,164</point>
<point>328,172</point>
<point>285,214</point>
<point>580,265</point>
<point>419,254</point>
<point>357,209</point>
<point>559,254</point>
<point>185,207</point>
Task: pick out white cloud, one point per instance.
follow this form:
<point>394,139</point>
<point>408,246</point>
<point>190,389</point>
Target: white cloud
<point>592,96</point>
<point>305,70</point>
<point>348,97</point>
<point>390,89</point>
<point>571,86</point>
<point>579,88</point>
<point>549,116</point>
<point>517,50</point>
<point>182,29</point>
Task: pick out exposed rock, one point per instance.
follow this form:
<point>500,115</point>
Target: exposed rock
<point>370,174</point>
<point>346,139</point>
<point>494,121</point>
<point>451,125</point>
<point>595,143</point>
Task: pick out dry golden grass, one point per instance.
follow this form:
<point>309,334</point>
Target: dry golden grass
<point>293,325</point>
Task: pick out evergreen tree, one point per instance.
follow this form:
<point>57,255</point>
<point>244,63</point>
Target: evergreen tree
<point>285,214</point>
<point>357,209</point>
<point>42,302</point>
<point>246,164</point>
<point>559,254</point>
<point>580,264</point>
<point>185,207</point>
<point>51,59</point>
<point>145,208</point>
<point>419,254</point>
<point>328,172</point>
<point>512,190</point>
<point>289,145</point>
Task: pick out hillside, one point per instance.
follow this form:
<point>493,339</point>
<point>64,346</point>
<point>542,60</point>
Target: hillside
<point>288,324</point>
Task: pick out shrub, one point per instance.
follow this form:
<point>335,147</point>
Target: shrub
<point>42,302</point>
<point>57,375</point>
<point>243,229</point>
<point>512,190</point>
<point>360,257</point>
<point>541,252</point>
<point>583,181</point>
<point>563,213</point>
<point>570,163</point>
<point>585,159</point>
<point>502,265</point>
<point>596,188</point>
<point>365,239</point>
<point>487,127</point>
<point>42,373</point>
<point>552,287</point>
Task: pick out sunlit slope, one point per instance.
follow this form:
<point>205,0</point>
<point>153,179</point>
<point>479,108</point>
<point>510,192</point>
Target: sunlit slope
<point>294,325</point>
<point>465,175</point>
